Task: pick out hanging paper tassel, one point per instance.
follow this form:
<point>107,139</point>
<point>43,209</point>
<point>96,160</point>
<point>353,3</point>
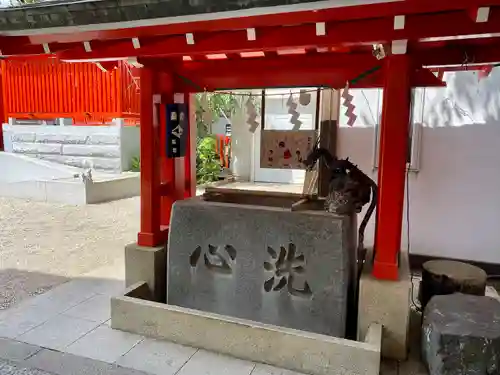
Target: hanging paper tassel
<point>292,110</point>
<point>351,117</point>
<point>252,115</point>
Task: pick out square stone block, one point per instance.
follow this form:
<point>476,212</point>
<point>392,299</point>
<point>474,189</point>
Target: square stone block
<point>266,264</point>
<point>146,264</point>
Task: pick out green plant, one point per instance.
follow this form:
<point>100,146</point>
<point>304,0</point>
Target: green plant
<point>219,104</point>
<point>207,161</point>
<point>135,164</point>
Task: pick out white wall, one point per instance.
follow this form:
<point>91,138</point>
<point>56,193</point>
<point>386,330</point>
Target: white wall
<point>455,196</point>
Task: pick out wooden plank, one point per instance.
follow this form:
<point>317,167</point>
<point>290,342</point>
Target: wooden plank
<point>327,140</point>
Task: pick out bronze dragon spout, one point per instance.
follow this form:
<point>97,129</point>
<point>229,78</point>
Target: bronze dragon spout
<point>349,189</point>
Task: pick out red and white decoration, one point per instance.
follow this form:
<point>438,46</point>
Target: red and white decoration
<point>252,115</point>
<point>351,117</point>
<point>292,110</point>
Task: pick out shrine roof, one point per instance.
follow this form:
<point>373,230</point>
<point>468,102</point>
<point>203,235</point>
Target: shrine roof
<point>234,43</point>
<point>132,13</point>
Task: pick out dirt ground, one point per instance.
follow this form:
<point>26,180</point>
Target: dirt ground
<point>45,244</point>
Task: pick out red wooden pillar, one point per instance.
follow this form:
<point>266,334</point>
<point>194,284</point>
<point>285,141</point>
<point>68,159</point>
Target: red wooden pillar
<point>166,165</point>
<point>190,158</point>
<point>3,117</point>
<point>392,165</point>
<point>150,233</point>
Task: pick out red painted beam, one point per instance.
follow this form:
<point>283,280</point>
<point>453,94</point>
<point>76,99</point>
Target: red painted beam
<point>407,7</point>
<point>460,55</point>
<point>302,36</point>
<point>332,70</point>
<point>202,80</point>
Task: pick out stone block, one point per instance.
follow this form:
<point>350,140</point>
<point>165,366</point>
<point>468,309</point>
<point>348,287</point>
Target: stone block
<point>147,264</point>
<point>92,150</point>
<point>36,148</point>
<point>387,303</point>
<point>22,137</point>
<point>266,264</point>
<point>295,350</point>
<point>61,138</point>
<point>103,139</point>
<point>461,335</point>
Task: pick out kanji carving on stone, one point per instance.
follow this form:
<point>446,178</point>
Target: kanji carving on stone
<point>219,259</point>
<point>286,266</point>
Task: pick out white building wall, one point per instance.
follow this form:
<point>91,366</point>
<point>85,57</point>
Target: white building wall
<point>454,208</point>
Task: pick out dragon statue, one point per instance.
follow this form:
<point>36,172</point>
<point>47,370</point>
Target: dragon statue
<point>349,189</point>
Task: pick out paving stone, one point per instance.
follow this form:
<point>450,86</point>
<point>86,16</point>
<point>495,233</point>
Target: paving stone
<point>461,335</point>
<point>68,364</point>
<point>16,351</point>
<point>157,357</point>
<point>58,332</point>
<point>208,363</point>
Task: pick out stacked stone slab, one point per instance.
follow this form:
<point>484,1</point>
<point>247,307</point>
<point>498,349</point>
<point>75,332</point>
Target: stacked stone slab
<point>461,335</point>
<point>267,264</point>
<point>103,148</point>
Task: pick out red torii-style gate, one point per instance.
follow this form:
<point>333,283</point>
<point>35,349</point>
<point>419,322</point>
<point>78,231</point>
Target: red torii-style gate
<point>322,47</point>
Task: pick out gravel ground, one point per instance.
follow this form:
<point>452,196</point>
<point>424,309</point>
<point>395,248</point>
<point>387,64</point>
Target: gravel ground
<point>8,368</point>
<point>44,244</point>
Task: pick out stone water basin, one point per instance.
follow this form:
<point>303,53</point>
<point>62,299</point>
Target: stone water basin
<point>247,255</point>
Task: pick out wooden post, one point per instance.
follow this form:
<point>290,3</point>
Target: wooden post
<point>393,150</point>
<point>329,119</point>
<point>190,158</point>
<point>149,234</point>
<point>3,116</point>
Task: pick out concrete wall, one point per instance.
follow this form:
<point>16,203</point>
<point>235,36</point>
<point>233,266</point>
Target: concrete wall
<point>454,206</point>
<point>106,148</point>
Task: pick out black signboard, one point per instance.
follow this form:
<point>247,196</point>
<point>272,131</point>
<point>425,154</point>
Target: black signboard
<point>177,130</point>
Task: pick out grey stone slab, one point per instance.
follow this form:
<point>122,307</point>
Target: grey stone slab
<point>68,364</point>
<point>461,335</point>
<point>16,351</point>
<point>266,264</point>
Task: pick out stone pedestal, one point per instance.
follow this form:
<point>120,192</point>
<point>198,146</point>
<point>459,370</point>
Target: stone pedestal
<point>266,264</point>
<point>147,264</point>
<point>461,335</point>
<point>441,277</point>
<point>387,303</point>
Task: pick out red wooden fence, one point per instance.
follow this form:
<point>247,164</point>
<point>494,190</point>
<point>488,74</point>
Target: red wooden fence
<point>48,89</point>
<point>223,149</point>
